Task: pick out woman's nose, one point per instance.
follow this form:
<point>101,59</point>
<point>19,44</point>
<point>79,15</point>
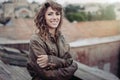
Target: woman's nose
<point>55,16</point>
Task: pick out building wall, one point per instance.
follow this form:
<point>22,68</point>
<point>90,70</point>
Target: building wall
<point>23,12</point>
<point>8,10</point>
<point>103,56</point>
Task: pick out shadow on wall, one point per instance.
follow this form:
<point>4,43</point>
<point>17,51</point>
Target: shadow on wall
<point>4,20</point>
<point>119,63</point>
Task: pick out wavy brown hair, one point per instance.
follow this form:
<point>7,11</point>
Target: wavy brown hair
<point>40,18</point>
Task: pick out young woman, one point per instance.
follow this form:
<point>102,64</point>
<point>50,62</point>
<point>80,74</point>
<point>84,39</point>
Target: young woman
<point>49,57</point>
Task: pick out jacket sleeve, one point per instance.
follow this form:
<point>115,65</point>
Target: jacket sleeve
<point>62,62</point>
<point>51,74</point>
<point>59,74</point>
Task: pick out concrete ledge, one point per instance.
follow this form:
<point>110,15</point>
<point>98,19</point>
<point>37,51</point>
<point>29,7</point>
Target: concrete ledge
<point>85,72</point>
<point>78,43</point>
<point>7,41</point>
<point>94,41</point>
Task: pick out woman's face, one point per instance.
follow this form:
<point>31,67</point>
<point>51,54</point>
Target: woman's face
<point>52,18</point>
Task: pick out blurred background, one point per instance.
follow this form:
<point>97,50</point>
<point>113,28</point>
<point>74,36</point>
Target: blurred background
<point>92,28</point>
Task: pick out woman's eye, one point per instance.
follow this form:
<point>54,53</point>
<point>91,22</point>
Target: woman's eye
<point>57,13</point>
<point>49,14</point>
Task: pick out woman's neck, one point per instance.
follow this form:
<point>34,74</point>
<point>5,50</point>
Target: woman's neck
<point>52,32</point>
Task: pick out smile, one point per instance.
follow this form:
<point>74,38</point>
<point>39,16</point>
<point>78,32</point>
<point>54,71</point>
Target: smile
<point>54,22</point>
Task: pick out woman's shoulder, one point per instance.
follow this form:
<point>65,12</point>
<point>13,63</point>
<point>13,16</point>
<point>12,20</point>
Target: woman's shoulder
<point>36,37</point>
<point>60,34</point>
<point>62,37</point>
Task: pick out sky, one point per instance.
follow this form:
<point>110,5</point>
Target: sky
<point>75,1</point>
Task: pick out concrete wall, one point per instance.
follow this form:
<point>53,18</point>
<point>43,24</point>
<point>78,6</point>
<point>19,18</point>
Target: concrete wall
<point>103,56</point>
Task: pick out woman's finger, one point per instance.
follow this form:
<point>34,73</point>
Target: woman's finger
<point>42,65</point>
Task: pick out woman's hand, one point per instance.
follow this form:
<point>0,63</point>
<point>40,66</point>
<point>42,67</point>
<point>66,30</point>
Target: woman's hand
<point>42,60</point>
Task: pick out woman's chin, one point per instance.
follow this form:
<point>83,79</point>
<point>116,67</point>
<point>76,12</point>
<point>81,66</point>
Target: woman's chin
<point>54,26</point>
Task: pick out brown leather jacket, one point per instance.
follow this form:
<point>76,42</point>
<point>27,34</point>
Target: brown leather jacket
<point>61,65</point>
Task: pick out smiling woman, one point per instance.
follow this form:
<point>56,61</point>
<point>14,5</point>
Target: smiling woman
<point>49,57</point>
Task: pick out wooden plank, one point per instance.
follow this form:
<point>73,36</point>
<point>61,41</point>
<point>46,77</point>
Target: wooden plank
<point>19,73</point>
<point>13,56</point>
<point>4,75</point>
<point>15,72</point>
